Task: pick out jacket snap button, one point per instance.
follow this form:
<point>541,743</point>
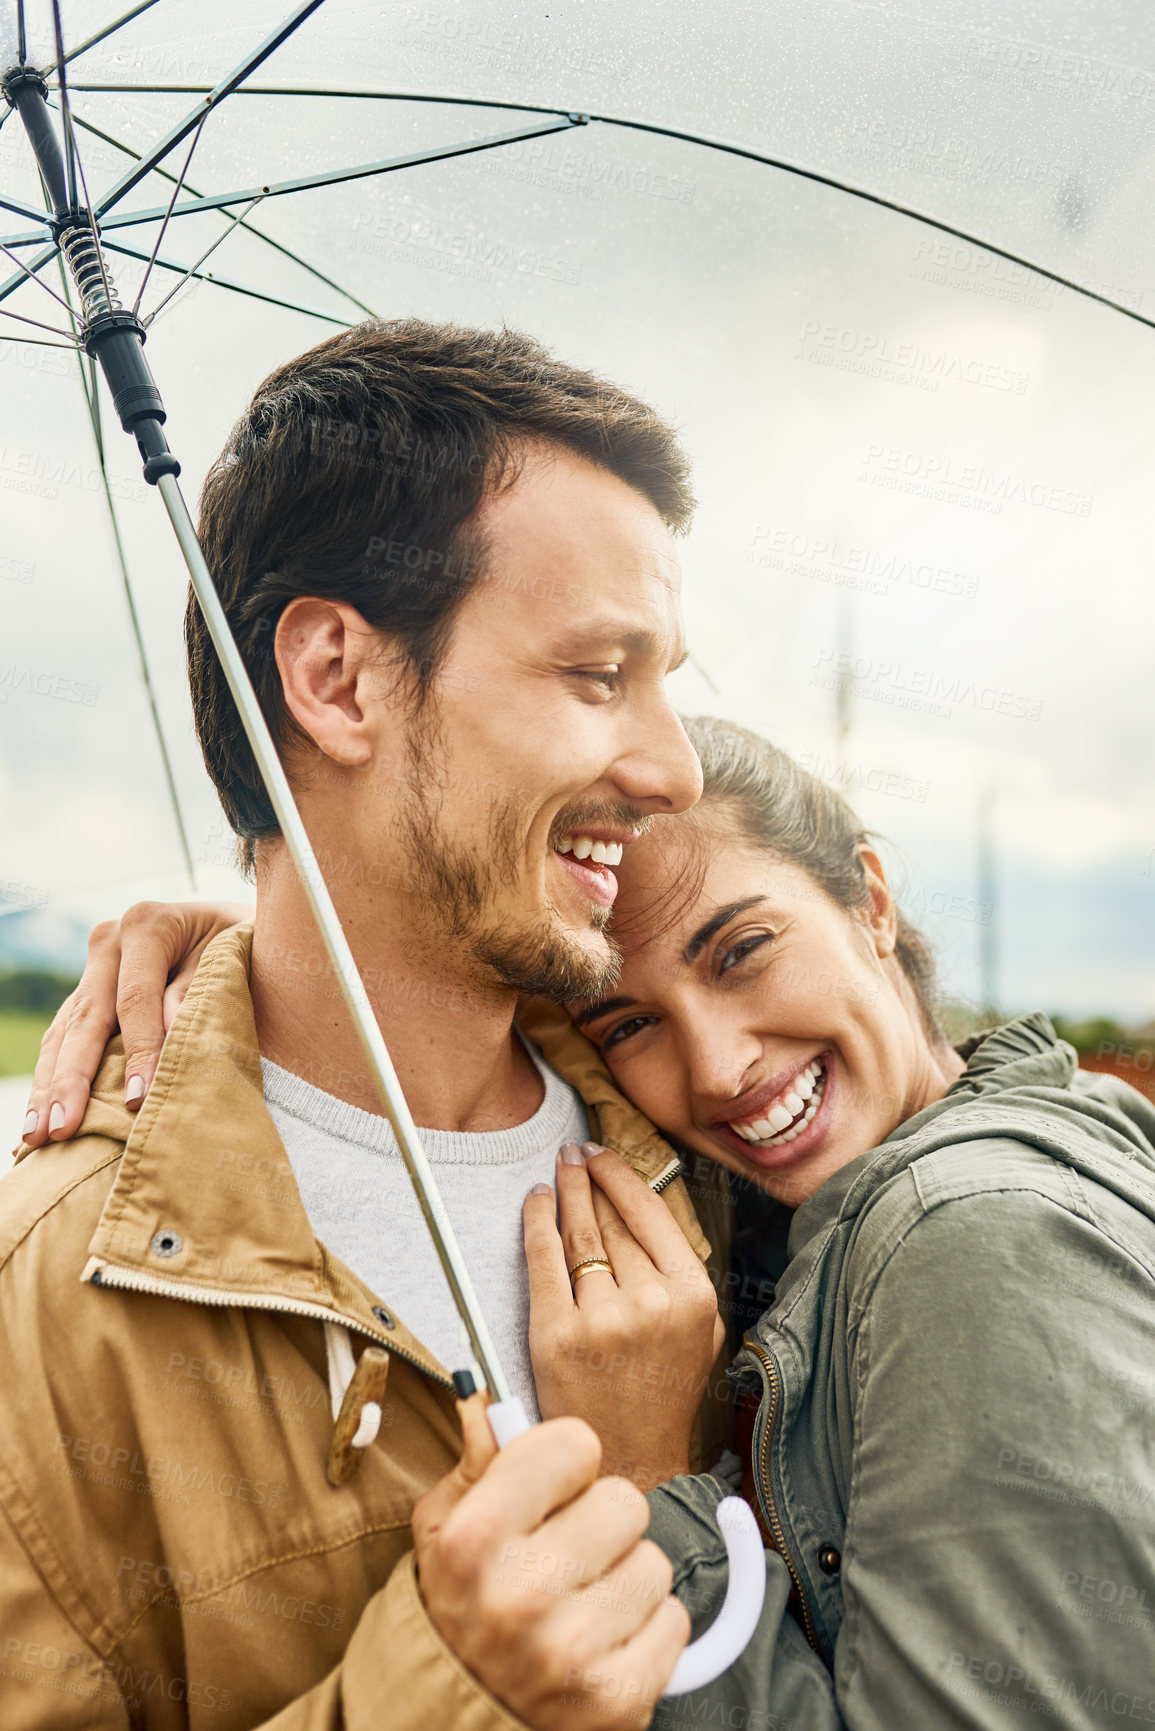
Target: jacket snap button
<point>166,1242</point>
<point>829,1560</point>
<point>383,1316</point>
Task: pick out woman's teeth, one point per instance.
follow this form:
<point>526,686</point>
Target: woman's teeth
<point>791,1113</point>
<point>585,847</point>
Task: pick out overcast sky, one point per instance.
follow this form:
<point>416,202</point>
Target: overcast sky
<point>924,474</point>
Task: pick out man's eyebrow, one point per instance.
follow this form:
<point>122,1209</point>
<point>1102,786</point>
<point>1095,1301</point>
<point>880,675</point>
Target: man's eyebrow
<point>715,924</point>
<point>605,1008</point>
<point>597,633</point>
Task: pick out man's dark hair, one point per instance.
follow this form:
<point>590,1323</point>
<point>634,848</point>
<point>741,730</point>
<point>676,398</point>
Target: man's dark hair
<point>354,476</point>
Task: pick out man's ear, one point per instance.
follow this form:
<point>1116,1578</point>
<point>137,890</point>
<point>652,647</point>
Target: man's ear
<point>329,661</point>
<point>880,915</point>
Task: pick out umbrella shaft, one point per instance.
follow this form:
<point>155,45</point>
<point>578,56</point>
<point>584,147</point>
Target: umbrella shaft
<point>114,337</point>
<point>352,988</point>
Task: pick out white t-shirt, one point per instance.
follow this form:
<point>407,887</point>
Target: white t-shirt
<point>357,1195</point>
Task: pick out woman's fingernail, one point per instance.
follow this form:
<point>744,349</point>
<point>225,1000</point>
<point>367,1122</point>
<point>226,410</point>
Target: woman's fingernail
<point>590,1148</point>
<point>30,1123</point>
<point>56,1117</point>
<point>541,1190</point>
<point>134,1090</point>
<point>570,1154</point>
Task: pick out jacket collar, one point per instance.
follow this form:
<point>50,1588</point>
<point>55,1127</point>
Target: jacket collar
<point>205,1205</point>
<point>1028,1048</point>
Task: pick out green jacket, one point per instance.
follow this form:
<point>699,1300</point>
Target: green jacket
<point>955,1447</point>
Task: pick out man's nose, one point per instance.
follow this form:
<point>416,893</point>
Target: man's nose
<point>660,772</point>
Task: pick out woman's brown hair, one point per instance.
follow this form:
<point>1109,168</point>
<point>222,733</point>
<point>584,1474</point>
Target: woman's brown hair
<point>781,807</point>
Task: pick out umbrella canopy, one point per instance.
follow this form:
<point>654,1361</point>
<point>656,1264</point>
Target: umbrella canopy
<point>919,561</point>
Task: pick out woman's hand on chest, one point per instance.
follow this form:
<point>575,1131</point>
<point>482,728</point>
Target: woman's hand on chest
<point>628,1346</point>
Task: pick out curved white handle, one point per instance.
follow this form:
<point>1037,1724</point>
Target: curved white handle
<point>716,1650</point>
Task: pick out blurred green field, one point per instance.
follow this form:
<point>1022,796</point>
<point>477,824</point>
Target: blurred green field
<point>20,1032</point>
<point>29,998</point>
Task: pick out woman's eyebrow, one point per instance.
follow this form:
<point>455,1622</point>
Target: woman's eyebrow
<point>605,1008</point>
<point>714,925</point>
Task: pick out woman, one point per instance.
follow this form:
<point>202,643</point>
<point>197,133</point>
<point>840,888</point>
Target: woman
<point>955,1381</point>
<point>954,1452</point>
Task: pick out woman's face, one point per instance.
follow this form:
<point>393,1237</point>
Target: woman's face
<point>762,1025</point>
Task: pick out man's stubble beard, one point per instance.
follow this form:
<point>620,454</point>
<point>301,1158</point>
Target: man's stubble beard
<point>539,958</point>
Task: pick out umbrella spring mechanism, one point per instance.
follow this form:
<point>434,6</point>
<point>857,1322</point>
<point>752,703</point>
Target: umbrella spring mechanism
<point>89,271</point>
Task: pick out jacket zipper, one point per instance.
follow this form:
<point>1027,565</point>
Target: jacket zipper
<point>766,1492</point>
<point>99,1273</point>
<point>665,1178</point>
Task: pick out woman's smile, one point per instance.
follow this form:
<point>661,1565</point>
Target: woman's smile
<point>781,1125</point>
<point>766,1013</point>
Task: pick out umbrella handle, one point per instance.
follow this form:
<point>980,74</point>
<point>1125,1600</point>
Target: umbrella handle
<point>727,1636</point>
<point>507,1419</point>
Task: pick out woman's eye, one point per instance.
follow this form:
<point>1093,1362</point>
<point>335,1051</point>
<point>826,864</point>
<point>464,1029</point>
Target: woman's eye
<point>625,1031</point>
<point>739,951</point>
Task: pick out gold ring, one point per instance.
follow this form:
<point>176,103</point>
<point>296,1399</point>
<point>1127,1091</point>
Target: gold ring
<point>587,1267</point>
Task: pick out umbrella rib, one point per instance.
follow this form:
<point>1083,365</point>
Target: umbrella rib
<point>195,267</point>
<point>330,282</point>
<point>354,95</point>
<point>18,208</point>
<point>93,402</point>
<point>217,94</point>
<point>70,157</point>
<point>236,287</point>
<point>109,30</point>
<point>39,281</point>
<point>14,282</point>
<point>278,246</point>
<point>870,198</point>
<point>337,176</point>
<point>39,343</point>
<point>168,212</point>
<point>668,132</point>
<point>23,319</point>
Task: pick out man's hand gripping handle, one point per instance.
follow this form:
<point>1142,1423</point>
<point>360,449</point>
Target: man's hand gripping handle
<point>716,1650</point>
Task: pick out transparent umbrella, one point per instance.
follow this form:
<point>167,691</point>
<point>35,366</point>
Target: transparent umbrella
<point>919,560</point>
<point>889,270</point>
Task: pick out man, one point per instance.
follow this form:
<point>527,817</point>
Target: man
<point>449,562</point>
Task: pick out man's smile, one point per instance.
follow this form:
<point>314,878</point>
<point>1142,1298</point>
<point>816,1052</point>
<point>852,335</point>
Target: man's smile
<point>588,854</point>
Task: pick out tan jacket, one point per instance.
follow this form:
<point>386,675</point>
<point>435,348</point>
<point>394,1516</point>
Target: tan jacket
<point>172,1552</point>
